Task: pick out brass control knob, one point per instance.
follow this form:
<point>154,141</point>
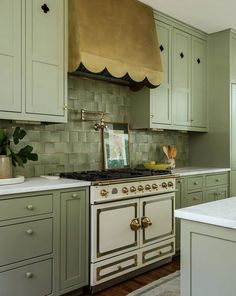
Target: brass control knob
<point>134,224</point>
<point>104,192</point>
<point>170,184</point>
<point>154,186</point>
<point>132,189</point>
<point>147,187</point>
<point>145,222</point>
<point>140,188</point>
<point>164,184</point>
<point>125,190</point>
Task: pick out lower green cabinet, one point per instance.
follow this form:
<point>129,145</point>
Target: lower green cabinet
<point>74,240</point>
<point>197,189</point>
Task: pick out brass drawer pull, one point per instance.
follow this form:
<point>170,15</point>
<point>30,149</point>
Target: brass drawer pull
<point>195,183</point>
<point>217,180</point>
<point>74,195</point>
<point>196,198</point>
<point>119,267</point>
<point>145,222</point>
<point>29,231</point>
<point>30,207</point>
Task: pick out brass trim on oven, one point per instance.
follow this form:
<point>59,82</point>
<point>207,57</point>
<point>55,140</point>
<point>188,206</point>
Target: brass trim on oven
<point>99,269</point>
<point>99,211</point>
<point>159,255</point>
<point>144,214</point>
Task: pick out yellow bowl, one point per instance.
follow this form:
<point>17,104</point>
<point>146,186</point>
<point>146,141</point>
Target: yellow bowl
<point>156,166</point>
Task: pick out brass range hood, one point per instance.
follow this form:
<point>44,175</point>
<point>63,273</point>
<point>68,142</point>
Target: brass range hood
<point>114,40</point>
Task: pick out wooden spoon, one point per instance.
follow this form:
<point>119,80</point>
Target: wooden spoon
<point>166,150</point>
<point>173,152</point>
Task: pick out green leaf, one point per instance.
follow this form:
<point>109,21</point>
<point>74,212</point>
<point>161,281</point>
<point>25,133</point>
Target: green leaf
<point>18,135</point>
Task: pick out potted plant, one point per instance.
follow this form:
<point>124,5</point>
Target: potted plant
<point>8,156</point>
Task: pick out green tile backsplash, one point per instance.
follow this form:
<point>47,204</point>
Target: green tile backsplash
<point>77,146</point>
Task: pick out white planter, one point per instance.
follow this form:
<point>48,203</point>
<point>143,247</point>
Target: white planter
<point>5,167</point>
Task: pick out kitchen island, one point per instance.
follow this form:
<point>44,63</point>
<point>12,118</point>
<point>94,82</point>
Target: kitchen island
<point>208,248</point>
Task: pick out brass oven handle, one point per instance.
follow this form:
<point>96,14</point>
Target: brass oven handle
<point>134,224</point>
<point>145,222</point>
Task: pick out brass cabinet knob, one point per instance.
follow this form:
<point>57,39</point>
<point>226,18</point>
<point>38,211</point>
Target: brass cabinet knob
<point>29,231</point>
<point>140,188</point>
<point>147,187</point>
<point>195,183</point>
<point>154,186</point>
<point>30,207</point>
<point>170,184</point>
<point>145,222</point>
<point>74,195</point>
<point>125,190</point>
<point>104,192</point>
<point>29,275</point>
<point>164,184</point>
<point>132,189</point>
<point>119,267</point>
<point>196,198</point>
<point>134,224</point>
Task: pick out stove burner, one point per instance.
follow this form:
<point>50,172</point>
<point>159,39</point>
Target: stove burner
<point>113,174</point>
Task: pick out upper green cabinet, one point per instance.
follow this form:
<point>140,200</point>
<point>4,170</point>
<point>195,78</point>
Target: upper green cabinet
<point>10,55</point>
<point>181,78</point>
<point>180,102</point>
<point>33,69</point>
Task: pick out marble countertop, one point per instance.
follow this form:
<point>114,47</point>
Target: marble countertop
<point>221,213</point>
<point>188,171</point>
<point>41,184</point>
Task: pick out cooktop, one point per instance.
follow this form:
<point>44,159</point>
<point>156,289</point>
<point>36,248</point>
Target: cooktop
<point>113,174</point>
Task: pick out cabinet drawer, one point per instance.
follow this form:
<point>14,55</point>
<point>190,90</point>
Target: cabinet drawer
<point>110,269</point>
<point>25,240</point>
<point>30,280</point>
<point>25,206</point>
<point>217,179</point>
<point>195,183</point>
<point>158,252</point>
<point>194,198</point>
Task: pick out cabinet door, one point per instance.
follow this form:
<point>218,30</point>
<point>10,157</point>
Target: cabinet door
<point>10,56</point>
<point>199,97</point>
<point>161,96</point>
<point>157,219</point>
<point>181,78</point>
<point>45,80</point>
<point>74,239</point>
<point>222,192</point>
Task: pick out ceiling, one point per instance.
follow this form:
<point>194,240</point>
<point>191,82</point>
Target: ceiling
<point>207,15</point>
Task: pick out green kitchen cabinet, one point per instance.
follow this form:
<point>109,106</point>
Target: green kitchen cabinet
<point>74,240</point>
<point>199,188</point>
<point>33,50</point>
<point>10,56</point>
<point>199,82</point>
<point>180,102</point>
<point>181,78</point>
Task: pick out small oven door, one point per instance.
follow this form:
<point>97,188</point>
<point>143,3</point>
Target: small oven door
<point>111,232</point>
<point>157,218</point>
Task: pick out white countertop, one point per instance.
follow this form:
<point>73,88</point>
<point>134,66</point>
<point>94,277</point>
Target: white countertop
<point>41,184</point>
<point>220,213</point>
<point>188,171</point>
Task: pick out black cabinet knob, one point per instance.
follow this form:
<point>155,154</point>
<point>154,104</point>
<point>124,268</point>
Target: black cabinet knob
<point>45,8</point>
<point>181,55</point>
<point>198,61</point>
<point>161,47</point>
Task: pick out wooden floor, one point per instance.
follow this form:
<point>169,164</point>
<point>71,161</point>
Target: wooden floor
<point>141,280</point>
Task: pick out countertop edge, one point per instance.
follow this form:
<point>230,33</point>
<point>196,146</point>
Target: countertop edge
<point>198,171</point>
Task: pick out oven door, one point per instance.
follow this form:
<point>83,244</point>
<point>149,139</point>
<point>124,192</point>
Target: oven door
<point>157,218</point>
<point>114,228</point>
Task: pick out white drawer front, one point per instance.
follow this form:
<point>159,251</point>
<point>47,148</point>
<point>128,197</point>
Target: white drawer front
<point>158,251</point>
<point>112,268</point>
<point>30,280</point>
<point>25,206</point>
<point>25,240</point>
